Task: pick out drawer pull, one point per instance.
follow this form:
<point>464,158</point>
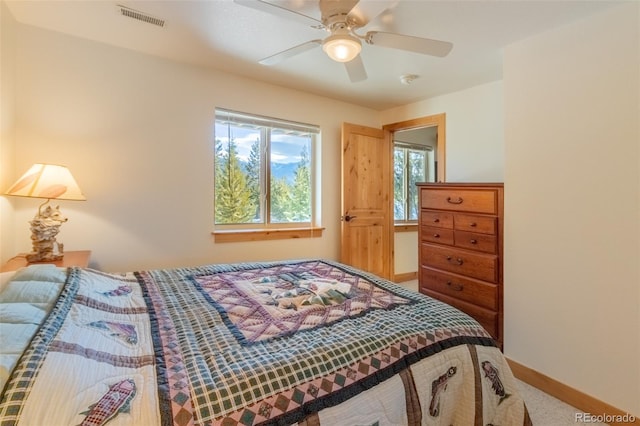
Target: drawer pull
<point>455,287</point>
<point>473,224</point>
<point>452,201</point>
<point>436,220</point>
<point>436,235</point>
<point>472,241</point>
<point>457,261</point>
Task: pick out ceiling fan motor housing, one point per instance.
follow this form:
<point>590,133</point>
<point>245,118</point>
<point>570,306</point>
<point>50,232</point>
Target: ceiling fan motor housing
<point>341,46</point>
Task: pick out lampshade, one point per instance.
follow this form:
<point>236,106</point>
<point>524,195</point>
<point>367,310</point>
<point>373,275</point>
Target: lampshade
<point>47,181</point>
<point>342,46</point>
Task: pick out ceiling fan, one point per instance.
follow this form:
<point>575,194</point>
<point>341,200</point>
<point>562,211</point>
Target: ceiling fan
<point>341,19</point>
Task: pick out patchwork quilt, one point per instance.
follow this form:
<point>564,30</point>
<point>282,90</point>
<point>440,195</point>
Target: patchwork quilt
<point>311,342</point>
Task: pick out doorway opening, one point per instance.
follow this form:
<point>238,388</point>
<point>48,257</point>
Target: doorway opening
<point>426,138</point>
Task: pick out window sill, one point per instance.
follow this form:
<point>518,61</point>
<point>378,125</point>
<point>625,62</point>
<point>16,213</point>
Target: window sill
<point>265,234</point>
<point>406,228</point>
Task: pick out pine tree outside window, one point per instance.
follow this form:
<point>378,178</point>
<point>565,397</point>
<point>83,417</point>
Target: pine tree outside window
<point>409,167</point>
<point>264,172</point>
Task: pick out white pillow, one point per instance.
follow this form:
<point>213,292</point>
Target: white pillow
<point>41,272</point>
<point>14,338</point>
<point>21,313</point>
<point>7,362</point>
<point>30,292</point>
<point>5,277</point>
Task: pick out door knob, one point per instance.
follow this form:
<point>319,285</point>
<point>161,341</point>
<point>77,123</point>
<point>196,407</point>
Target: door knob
<point>348,218</point>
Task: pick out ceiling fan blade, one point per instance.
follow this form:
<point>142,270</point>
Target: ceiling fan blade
<point>355,69</point>
<point>280,11</point>
<point>296,50</point>
<point>366,10</point>
<point>425,46</point>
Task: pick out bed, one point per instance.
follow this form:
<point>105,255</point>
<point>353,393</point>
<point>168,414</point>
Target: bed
<point>307,342</point>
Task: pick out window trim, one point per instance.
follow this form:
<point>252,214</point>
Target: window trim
<point>268,230</point>
<point>406,227</point>
<point>238,235</point>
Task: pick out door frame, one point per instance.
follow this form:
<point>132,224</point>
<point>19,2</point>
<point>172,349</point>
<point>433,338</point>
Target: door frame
<point>436,120</point>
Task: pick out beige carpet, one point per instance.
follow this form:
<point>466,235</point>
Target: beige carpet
<point>544,409</point>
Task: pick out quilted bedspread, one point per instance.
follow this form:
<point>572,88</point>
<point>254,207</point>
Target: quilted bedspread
<point>261,343</point>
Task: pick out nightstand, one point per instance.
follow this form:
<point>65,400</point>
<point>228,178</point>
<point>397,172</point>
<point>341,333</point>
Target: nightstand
<point>71,258</point>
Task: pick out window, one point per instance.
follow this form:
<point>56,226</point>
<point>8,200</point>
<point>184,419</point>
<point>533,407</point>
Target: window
<point>409,166</point>
<point>264,172</point>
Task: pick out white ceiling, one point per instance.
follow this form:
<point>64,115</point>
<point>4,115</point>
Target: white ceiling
<point>224,35</point>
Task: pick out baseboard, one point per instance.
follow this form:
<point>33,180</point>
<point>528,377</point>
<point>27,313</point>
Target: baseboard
<point>407,276</point>
<point>571,396</point>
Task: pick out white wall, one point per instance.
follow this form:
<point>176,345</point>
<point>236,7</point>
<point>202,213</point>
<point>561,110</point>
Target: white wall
<point>475,139</point>
<point>137,133</point>
<point>572,205</point>
<point>7,128</point>
<point>406,252</point>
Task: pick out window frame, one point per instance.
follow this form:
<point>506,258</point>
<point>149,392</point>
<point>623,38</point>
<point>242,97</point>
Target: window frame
<point>266,229</point>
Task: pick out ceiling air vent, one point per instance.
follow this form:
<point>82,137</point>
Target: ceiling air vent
<point>140,16</point>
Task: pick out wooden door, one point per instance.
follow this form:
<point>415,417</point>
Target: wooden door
<point>366,199</point>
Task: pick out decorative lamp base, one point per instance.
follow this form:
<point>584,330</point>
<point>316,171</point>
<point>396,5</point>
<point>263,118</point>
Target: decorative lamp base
<point>44,228</point>
<point>44,257</point>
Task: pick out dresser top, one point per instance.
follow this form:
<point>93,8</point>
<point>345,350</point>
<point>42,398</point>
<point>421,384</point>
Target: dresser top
<point>466,184</point>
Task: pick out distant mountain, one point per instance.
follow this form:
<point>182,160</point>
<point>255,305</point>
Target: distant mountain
<point>279,170</point>
<point>284,170</point>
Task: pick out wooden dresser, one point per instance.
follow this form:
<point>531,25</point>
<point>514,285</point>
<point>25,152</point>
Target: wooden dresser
<point>460,239</point>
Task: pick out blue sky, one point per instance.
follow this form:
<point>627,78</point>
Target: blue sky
<point>284,148</point>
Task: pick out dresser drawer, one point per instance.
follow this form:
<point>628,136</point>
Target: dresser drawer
<point>477,292</point>
<point>437,235</point>
<point>474,223</point>
<point>464,200</point>
<point>471,240</point>
<point>487,319</point>
<point>437,219</point>
<point>460,261</point>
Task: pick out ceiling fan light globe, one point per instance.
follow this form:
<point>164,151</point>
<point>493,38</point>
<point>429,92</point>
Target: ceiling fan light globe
<point>342,47</point>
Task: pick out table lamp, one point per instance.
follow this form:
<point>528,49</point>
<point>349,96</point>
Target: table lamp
<point>52,182</point>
